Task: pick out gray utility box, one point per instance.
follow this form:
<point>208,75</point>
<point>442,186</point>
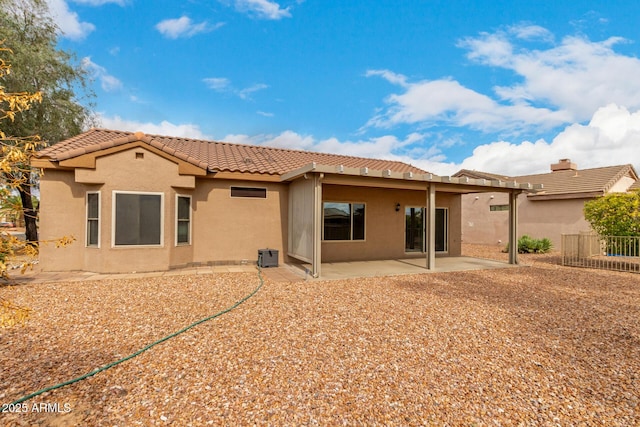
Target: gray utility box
<point>267,258</point>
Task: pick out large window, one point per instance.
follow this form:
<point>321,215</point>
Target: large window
<point>183,220</point>
<point>137,219</point>
<point>93,219</point>
<point>343,221</point>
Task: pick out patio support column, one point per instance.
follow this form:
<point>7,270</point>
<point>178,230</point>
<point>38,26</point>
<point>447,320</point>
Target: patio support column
<point>317,225</point>
<point>513,227</point>
<point>430,226</point>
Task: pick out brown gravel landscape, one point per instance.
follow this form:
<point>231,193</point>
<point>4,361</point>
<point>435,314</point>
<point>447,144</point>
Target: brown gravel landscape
<point>537,345</point>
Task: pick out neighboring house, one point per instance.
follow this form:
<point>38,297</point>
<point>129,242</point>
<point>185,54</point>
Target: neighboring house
<point>138,202</point>
<point>554,210</point>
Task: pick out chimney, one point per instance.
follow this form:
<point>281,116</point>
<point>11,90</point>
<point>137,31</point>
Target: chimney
<point>564,165</point>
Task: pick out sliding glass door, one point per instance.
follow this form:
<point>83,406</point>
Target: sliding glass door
<point>415,218</point>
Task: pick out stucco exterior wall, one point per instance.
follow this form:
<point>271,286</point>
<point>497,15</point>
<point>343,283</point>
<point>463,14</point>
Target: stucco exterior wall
<point>480,225</point>
<point>384,227</point>
<point>224,229</point>
<point>62,213</point>
<point>538,219</point>
<point>231,229</point>
<point>551,218</point>
<point>135,170</point>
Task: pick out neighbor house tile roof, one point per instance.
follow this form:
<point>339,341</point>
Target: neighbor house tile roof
<point>565,182</point>
<point>216,156</point>
<point>479,175</point>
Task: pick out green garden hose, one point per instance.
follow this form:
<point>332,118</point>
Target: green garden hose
<point>142,350</point>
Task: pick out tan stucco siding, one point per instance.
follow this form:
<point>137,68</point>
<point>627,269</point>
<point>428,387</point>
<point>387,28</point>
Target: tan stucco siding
<point>384,227</point>
<point>552,218</point>
<point>62,213</point>
<point>135,170</point>
<point>232,229</point>
<point>536,218</point>
<point>480,225</point>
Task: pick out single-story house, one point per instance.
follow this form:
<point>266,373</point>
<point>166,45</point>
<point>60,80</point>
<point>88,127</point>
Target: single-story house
<point>555,209</point>
<point>138,202</point>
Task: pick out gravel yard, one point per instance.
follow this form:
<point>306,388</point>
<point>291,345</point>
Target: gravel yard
<point>538,345</point>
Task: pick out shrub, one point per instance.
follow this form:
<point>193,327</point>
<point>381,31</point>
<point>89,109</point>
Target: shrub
<point>529,245</point>
<point>616,214</point>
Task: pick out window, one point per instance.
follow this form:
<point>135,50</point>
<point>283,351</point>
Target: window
<point>256,193</point>
<point>138,219</point>
<point>343,221</point>
<point>93,219</point>
<point>183,220</point>
<point>495,208</point>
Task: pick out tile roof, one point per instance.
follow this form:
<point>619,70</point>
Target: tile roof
<point>595,180</point>
<point>216,156</point>
<point>480,175</point>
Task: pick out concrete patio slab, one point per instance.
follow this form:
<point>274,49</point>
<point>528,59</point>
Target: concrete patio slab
<point>392,267</point>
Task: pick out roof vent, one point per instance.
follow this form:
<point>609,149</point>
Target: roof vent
<point>564,165</point>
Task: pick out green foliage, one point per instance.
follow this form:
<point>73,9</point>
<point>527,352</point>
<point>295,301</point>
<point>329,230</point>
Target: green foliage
<point>616,214</point>
<point>529,245</point>
<point>60,82</point>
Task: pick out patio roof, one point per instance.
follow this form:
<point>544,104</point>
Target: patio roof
<point>464,183</point>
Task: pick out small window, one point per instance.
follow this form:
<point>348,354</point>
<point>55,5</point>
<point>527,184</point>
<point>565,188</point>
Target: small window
<point>256,193</point>
<point>495,208</point>
<point>343,221</point>
<point>138,219</point>
<point>183,220</point>
<point>93,219</point>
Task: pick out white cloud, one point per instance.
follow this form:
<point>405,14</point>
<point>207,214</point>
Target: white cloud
<point>262,9</point>
<point>187,130</point>
<point>556,84</point>
<point>108,82</point>
<point>246,92</point>
<point>612,137</point>
<point>576,76</point>
<point>447,102</point>
<point>222,85</point>
<point>69,22</point>
<point>219,84</point>
<point>390,76</point>
<point>184,27</point>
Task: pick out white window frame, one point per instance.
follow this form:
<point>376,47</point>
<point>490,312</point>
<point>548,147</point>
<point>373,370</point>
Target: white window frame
<point>86,224</point>
<point>351,220</point>
<point>113,219</point>
<point>186,196</point>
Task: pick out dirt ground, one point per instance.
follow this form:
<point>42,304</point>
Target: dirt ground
<point>537,345</point>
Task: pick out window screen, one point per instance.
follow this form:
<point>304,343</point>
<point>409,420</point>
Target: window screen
<point>257,193</point>
<point>183,225</point>
<point>93,218</point>
<point>138,219</point>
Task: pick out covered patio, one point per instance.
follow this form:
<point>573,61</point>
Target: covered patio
<point>361,199</point>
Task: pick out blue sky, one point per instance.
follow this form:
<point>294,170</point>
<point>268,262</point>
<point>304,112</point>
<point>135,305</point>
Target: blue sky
<point>498,86</point>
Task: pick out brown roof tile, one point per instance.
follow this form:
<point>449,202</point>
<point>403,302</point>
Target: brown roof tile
<point>595,180</point>
<point>217,156</point>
